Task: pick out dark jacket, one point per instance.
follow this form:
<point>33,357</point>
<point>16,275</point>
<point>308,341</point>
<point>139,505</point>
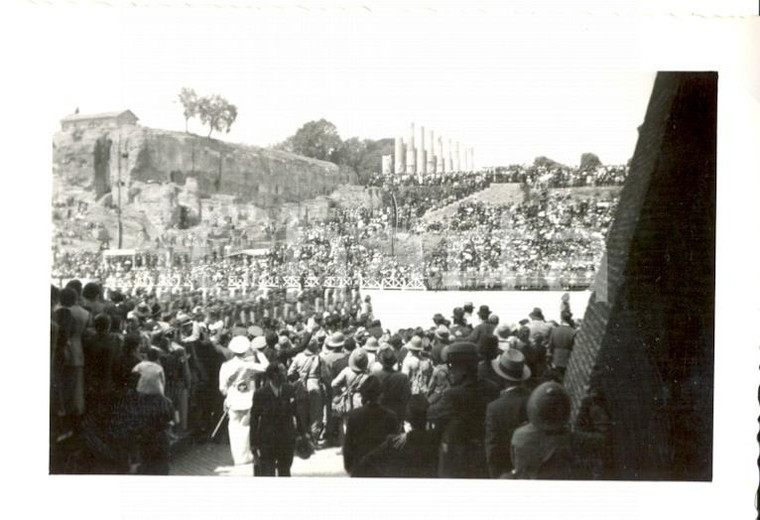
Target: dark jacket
<point>366,429</point>
<point>396,391</point>
<point>561,341</point>
<point>487,373</point>
<point>417,458</point>
<point>100,352</point>
<point>459,419</point>
<point>503,417</point>
<point>481,331</point>
<point>340,364</point>
<point>553,455</point>
<point>273,418</point>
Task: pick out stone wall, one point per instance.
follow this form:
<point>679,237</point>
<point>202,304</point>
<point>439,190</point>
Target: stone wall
<point>261,176</point>
<point>647,338</point>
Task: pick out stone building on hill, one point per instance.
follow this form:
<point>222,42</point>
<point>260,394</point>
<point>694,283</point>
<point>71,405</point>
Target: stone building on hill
<point>102,120</point>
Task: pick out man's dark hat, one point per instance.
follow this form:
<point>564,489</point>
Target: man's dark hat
<point>484,312</point>
<point>462,352</point>
<point>396,341</point>
<point>387,357</point>
<point>536,313</point>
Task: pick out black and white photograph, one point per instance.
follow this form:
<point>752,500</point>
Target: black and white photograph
<point>390,244</point>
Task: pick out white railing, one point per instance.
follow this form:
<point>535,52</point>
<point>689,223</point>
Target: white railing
<point>448,281</point>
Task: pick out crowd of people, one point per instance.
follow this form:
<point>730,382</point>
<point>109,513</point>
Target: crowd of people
<point>560,176</point>
<point>461,396</point>
<point>547,234</point>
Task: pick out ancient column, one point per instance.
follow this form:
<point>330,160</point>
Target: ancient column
<point>439,157</point>
<point>411,165</point>
<point>431,152</point>
<point>387,164</point>
<point>398,155</point>
<point>449,162</point>
<point>421,162</point>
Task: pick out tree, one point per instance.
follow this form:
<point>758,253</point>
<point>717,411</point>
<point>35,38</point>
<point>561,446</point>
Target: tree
<point>217,113</point>
<point>315,139</point>
<point>589,162</point>
<point>544,162</point>
<point>351,153</point>
<point>189,100</point>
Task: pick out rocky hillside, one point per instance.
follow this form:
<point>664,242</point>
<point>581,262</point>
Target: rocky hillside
<point>169,178</point>
<point>90,159</point>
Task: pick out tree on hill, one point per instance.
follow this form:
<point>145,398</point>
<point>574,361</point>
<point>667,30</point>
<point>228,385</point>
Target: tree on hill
<point>315,139</point>
<point>217,113</point>
<point>589,162</point>
<point>544,162</point>
<point>321,140</point>
<point>189,100</point>
<point>351,153</point>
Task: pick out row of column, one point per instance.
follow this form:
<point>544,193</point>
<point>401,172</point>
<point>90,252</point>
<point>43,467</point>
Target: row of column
<point>431,154</point>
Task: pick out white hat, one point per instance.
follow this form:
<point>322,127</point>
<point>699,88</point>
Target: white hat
<point>239,345</point>
<point>258,343</point>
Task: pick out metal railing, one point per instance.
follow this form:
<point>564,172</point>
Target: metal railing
<point>450,281</point>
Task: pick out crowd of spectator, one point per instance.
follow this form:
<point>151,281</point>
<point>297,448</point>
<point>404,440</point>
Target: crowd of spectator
<point>461,397</point>
<point>549,233</point>
<point>560,176</point>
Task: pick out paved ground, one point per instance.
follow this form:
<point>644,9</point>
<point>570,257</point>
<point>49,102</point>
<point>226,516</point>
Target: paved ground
<point>215,460</point>
<point>397,309</point>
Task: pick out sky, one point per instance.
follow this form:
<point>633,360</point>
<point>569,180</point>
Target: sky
<point>510,85</point>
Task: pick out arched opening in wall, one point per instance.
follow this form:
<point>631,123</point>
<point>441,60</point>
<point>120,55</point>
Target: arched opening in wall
<point>177,177</point>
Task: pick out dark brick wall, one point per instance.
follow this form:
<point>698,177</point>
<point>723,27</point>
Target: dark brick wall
<point>647,336</point>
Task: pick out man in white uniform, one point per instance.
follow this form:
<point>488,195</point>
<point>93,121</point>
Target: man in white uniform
<point>236,384</point>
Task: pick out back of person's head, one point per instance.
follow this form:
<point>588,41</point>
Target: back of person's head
<point>524,334</point>
<point>566,315</point>
<point>416,411</point>
<point>272,339</point>
<point>102,323</point>
<point>274,372</point>
<point>131,343</point>
<point>76,286</point>
<point>55,295</point>
<point>370,389</point>
<point>68,297</point>
<point>91,291</point>
<point>153,354</point>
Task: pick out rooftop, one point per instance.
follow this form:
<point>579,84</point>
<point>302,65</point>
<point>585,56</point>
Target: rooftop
<point>102,115</point>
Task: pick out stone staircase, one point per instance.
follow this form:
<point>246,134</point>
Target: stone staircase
<point>494,194</point>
